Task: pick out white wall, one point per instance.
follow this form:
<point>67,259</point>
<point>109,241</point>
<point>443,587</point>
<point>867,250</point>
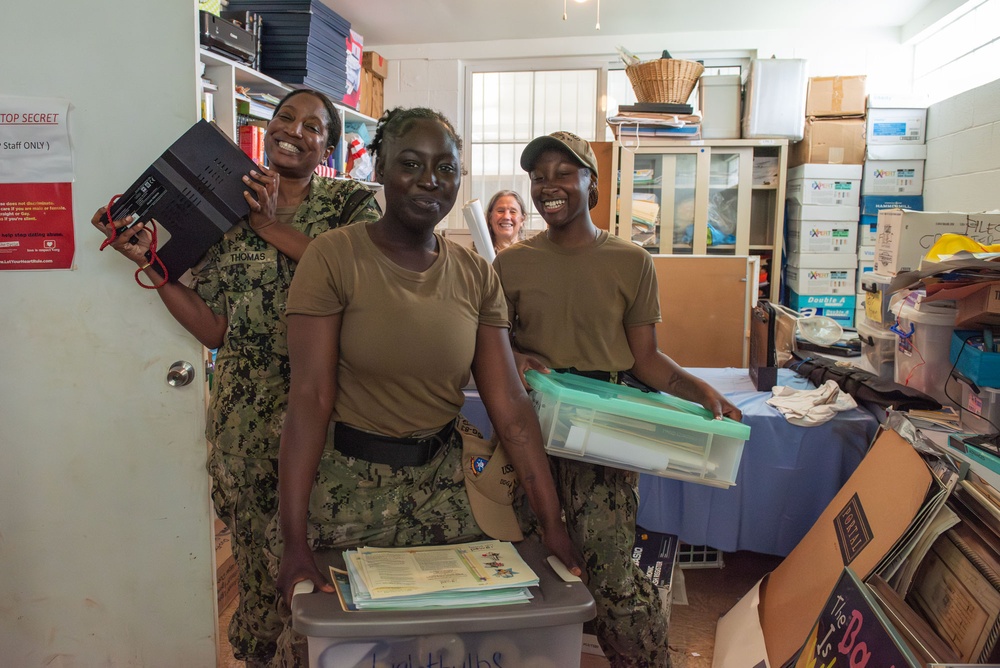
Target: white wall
<point>962,172</point>
<point>433,75</point>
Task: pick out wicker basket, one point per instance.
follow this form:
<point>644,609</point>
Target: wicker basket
<point>664,79</point>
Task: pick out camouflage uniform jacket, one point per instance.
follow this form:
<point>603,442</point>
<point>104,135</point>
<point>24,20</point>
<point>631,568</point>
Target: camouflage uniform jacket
<point>246,279</point>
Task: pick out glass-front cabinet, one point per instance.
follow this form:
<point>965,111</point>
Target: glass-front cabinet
<point>723,197</point>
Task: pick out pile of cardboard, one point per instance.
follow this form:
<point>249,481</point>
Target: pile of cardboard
<point>921,534</point>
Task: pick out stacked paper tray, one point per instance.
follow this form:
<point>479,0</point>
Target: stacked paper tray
<point>620,426</point>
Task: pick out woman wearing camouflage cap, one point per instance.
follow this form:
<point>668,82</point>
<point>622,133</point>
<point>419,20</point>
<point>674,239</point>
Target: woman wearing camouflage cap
<point>595,315</point>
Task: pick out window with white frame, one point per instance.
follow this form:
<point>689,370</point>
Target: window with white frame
<point>509,109</point>
<point>961,54</point>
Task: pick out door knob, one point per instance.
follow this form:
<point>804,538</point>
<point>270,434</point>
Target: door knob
<point>179,374</point>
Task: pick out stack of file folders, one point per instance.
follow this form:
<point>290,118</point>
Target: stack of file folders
<point>451,576</point>
<point>654,119</point>
<point>304,42</point>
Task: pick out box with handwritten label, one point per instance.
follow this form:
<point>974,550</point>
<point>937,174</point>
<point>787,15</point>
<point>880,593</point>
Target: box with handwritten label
<point>628,428</point>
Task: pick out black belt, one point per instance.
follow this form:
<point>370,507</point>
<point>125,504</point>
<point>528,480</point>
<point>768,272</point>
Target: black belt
<point>380,449</point>
<point>616,377</point>
<point>606,376</point>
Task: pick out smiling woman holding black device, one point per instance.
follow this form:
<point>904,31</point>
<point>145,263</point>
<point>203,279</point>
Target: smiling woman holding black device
<point>236,305</point>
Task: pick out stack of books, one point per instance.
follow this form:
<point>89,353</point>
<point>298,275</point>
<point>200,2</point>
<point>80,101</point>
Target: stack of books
<point>450,576</point>
<point>655,119</point>
<point>304,42</point>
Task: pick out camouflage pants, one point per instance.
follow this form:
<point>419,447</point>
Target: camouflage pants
<point>245,495</point>
<point>600,504</point>
<point>355,502</point>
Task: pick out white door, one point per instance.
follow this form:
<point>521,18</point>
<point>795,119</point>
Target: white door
<point>105,533</point>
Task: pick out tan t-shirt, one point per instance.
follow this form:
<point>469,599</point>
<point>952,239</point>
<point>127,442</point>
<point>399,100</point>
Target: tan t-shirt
<point>570,307</point>
<point>408,338</point>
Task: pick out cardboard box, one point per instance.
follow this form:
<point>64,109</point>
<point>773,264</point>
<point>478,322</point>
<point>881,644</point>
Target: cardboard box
<point>896,126</point>
<point>836,96</point>
<point>977,303</point>
<point>822,236</point>
<point>904,237</point>
<point>838,141</point>
<point>857,529</point>
<point>822,281</point>
<point>371,103</point>
<point>825,192</point>
<point>798,211</point>
<point>896,152</point>
<point>823,260</point>
<point>839,307</point>
<point>872,204</point>
<point>375,63</point>
<point>825,171</point>
<point>226,571</point>
<point>893,177</point>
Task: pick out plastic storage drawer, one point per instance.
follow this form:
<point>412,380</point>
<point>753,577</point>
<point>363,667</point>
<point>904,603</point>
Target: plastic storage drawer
<point>878,348</point>
<point>546,631</point>
<point>627,428</point>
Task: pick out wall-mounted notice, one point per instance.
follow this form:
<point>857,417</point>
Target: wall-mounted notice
<point>36,184</point>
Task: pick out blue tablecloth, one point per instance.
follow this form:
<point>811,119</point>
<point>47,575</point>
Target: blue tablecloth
<point>788,474</point>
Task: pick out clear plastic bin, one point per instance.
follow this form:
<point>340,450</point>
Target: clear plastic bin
<point>627,428</point>
<point>922,358</point>
<point>546,632</point>
<point>878,348</point>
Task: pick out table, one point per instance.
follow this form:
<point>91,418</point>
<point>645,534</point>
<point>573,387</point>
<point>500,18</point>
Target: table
<point>787,476</point>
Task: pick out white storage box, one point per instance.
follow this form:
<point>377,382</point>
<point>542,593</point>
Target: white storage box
<point>825,171</point>
<point>878,347</point>
<point>798,211</point>
<point>979,405</point>
<point>823,260</point>
<point>720,98</point>
<point>896,125</point>
<point>921,358</point>
<point>822,236</point>
<point>821,281</point>
<point>824,192</point>
<point>775,100</point>
<point>904,237</point>
<point>626,428</point>
<point>893,177</point>
<point>546,631</point>
<point>896,152</point>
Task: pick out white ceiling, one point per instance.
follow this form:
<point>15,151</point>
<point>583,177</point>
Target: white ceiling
<point>398,22</point>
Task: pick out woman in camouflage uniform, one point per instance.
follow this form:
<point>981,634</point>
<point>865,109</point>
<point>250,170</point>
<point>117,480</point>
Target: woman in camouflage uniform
<point>236,304</point>
<point>585,301</point>
<point>385,322</point>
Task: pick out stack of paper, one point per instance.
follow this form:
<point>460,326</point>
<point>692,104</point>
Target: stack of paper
<point>451,576</point>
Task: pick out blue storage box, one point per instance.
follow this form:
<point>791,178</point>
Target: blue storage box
<point>970,360</point>
<point>982,368</point>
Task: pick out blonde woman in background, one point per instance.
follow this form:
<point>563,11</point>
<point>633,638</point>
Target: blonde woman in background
<point>505,218</point>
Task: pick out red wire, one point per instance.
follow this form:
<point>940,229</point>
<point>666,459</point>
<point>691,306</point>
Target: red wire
<point>153,257</point>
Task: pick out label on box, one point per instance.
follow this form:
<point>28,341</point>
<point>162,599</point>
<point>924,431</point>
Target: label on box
<point>893,177</point>
<point>839,307</point>
<point>822,237</point>
<point>821,281</point>
<point>825,192</point>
